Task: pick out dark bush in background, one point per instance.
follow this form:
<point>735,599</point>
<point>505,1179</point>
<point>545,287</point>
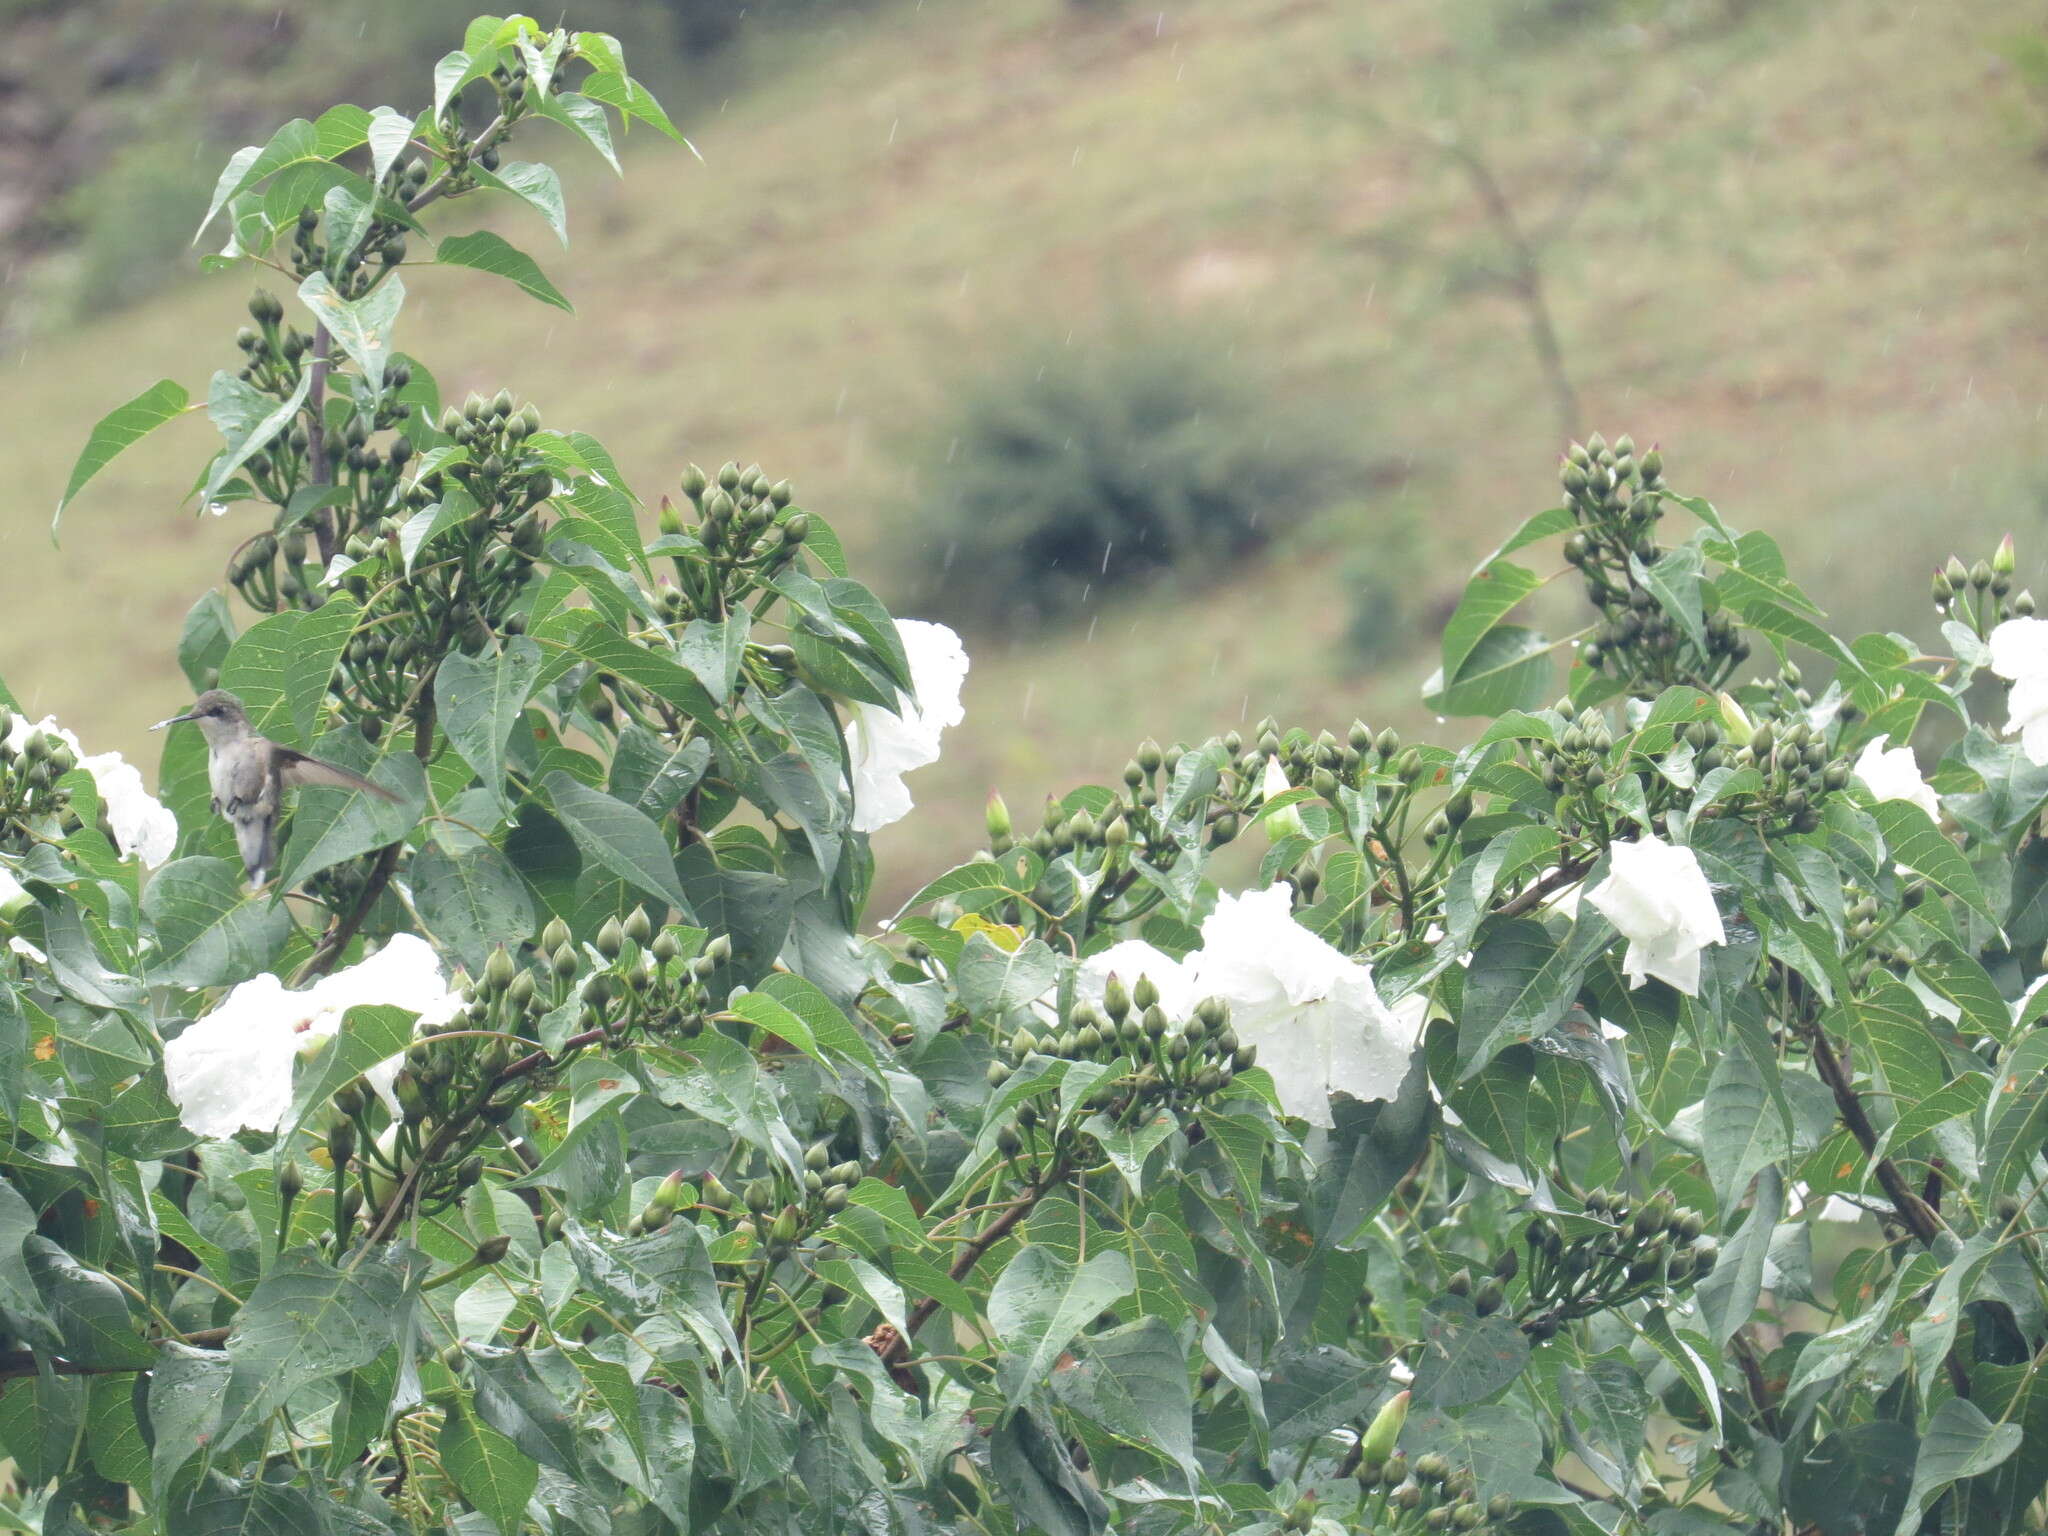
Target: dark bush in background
<point>1067,470</point>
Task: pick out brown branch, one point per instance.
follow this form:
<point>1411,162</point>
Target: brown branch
<point>1551,883</point>
<point>1920,1218</point>
<point>27,1362</point>
<point>896,1345</point>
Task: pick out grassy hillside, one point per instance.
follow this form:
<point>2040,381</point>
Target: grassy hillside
<point>1810,274</point>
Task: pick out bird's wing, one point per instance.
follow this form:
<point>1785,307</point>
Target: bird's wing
<point>295,770</point>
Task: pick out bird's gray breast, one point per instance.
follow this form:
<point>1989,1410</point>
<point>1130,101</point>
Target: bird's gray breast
<point>239,776</point>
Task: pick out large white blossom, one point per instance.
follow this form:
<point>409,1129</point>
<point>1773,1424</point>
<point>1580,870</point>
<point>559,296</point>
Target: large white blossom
<point>1312,1012</point>
<point>142,824</point>
<point>884,746</point>
<point>2019,653</point>
<point>1657,897</point>
<point>13,894</point>
<point>232,1069</point>
<point>1894,774</point>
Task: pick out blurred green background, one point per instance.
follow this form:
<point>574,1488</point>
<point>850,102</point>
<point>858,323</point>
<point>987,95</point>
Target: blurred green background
<point>1184,354</point>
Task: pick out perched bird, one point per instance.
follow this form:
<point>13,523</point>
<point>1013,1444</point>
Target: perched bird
<point>250,772</point>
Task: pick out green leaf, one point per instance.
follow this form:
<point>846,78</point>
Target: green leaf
<point>90,1311</point>
<point>535,185</point>
<point>471,900</point>
<point>994,981</point>
<point>512,1399</point>
<point>248,419</point>
<point>1674,580</point>
<point>830,1028</point>
<point>1494,591</point>
<point>496,255</point>
<point>632,99</point>
<point>489,1469</point>
<point>616,837</point>
<point>362,328</point>
<point>1029,1458</point>
<point>584,118</point>
<point>387,133</point>
<point>1040,1302</point>
<point>207,932</point>
<point>479,700</point>
<point>1742,1126</point>
<point>221,1506</point>
<point>1133,1381</point>
<point>306,1321</point>
<point>1521,984</point>
<point>1855,1481</point>
<point>204,642</point>
<point>1729,1293</point>
<point>1916,842</point>
<point>1509,668</point>
<point>119,429</point>
<point>1465,1357</point>
<point>666,1271</point>
<point>1960,1442</point>
<point>714,651</point>
<point>186,1390</point>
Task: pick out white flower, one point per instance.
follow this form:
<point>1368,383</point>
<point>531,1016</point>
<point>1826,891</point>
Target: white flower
<point>1834,1208</point>
<point>233,1068</point>
<point>2019,653</point>
<point>141,823</point>
<point>1656,895</point>
<point>1894,774</point>
<point>884,746</point>
<point>1312,1012</point>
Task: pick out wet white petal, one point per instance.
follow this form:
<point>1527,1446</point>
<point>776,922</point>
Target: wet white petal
<point>142,825</point>
<point>2019,653</point>
<point>232,1069</point>
<point>883,747</point>
<point>1657,897</point>
<point>1312,1012</point>
<point>1894,774</point>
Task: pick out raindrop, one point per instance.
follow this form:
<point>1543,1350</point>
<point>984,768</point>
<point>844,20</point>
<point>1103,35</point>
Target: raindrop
<point>1105,555</point>
<point>1439,719</point>
<point>1030,689</point>
<point>1089,639</point>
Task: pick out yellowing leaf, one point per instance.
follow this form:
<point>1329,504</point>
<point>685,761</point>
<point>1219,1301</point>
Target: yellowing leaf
<point>1005,936</point>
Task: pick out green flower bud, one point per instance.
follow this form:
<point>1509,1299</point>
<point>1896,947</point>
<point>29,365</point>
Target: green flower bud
<point>715,1195</point>
<point>498,971</point>
<point>760,1194</point>
<point>1384,1432</point>
<point>786,1226</point>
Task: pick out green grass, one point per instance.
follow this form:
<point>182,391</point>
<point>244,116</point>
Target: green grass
<point>1811,278</point>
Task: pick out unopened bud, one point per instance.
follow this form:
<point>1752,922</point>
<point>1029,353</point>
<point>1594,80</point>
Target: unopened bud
<point>1384,1432</point>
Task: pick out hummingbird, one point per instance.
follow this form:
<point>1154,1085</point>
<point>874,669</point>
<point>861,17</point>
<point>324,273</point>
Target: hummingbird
<point>249,773</point>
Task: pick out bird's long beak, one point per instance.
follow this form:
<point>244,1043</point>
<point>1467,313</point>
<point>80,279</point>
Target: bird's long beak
<point>172,721</point>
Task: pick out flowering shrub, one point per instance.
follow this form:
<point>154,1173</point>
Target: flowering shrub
<point>562,1144</point>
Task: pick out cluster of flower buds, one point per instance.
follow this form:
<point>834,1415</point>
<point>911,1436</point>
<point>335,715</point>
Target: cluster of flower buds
<point>1171,1068</point>
<point>1642,1250</point>
<point>1978,594</point>
<point>1425,1494</point>
<point>370,250</point>
<point>1616,500</point>
<point>501,471</point>
<point>1800,772</point>
<point>29,774</point>
<point>745,530</point>
<point>799,1206</point>
<point>646,984</point>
